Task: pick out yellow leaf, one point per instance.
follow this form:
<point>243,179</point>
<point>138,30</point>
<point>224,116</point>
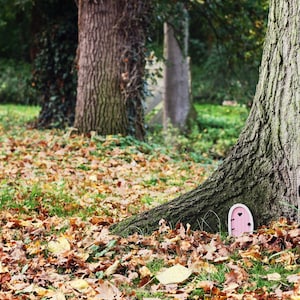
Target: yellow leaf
<point>112,269</point>
<point>93,178</point>
<point>33,288</point>
<point>175,274</point>
<point>79,284</point>
<point>144,271</point>
<point>59,246</point>
<point>34,248</point>
<point>83,256</point>
<point>203,266</point>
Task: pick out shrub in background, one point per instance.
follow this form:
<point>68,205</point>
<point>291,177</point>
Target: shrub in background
<point>15,84</point>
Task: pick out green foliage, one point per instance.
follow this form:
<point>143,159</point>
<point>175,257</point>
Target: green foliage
<point>219,128</point>
<point>15,22</point>
<point>175,13</point>
<point>14,82</point>
<point>225,44</point>
<point>226,40</point>
<point>214,81</point>
<point>212,135</point>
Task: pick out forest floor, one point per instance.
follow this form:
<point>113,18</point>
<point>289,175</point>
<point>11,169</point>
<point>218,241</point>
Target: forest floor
<point>61,192</point>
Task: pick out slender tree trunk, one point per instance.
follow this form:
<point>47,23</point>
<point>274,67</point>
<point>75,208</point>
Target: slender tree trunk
<point>110,67</point>
<point>177,103</point>
<point>263,169</point>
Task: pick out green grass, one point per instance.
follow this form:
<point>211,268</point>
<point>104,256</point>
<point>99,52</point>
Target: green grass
<point>216,126</point>
<point>215,131</point>
<point>34,198</point>
<point>259,275</point>
<point>211,136</point>
<point>12,115</point>
<point>22,112</point>
<point>155,265</point>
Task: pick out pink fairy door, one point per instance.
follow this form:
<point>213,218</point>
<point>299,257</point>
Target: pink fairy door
<point>240,220</point>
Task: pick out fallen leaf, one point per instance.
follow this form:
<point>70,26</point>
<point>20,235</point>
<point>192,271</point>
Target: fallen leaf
<point>112,269</point>
<point>274,277</point>
<point>79,284</point>
<point>231,287</point>
<point>144,271</point>
<point>59,246</point>
<point>4,277</point>
<point>107,291</point>
<point>33,288</point>
<point>175,274</point>
<point>206,285</point>
<point>201,266</point>
<point>293,278</point>
<point>58,296</point>
<point>3,269</point>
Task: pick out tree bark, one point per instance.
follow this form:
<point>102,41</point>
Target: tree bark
<point>177,103</point>
<point>111,67</point>
<point>263,169</point>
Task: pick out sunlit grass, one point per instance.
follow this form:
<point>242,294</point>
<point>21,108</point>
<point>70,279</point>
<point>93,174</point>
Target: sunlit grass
<point>12,115</point>
<point>39,159</point>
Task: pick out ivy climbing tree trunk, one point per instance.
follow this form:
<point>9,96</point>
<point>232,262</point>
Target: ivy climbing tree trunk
<point>111,67</point>
<point>54,76</point>
<point>263,168</point>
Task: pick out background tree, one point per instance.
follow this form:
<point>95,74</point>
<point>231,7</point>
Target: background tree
<point>177,103</point>
<point>263,169</point>
<point>111,61</point>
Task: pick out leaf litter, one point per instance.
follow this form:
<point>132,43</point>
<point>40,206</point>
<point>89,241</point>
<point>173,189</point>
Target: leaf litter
<point>87,262</point>
<point>60,194</point>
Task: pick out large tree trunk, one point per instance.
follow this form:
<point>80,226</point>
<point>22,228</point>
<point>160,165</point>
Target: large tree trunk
<point>263,169</point>
<point>110,67</point>
<point>177,103</point>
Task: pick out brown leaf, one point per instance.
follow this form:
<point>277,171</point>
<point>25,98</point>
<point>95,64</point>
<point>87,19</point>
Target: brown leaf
<point>107,291</point>
<point>4,277</point>
<point>206,285</point>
